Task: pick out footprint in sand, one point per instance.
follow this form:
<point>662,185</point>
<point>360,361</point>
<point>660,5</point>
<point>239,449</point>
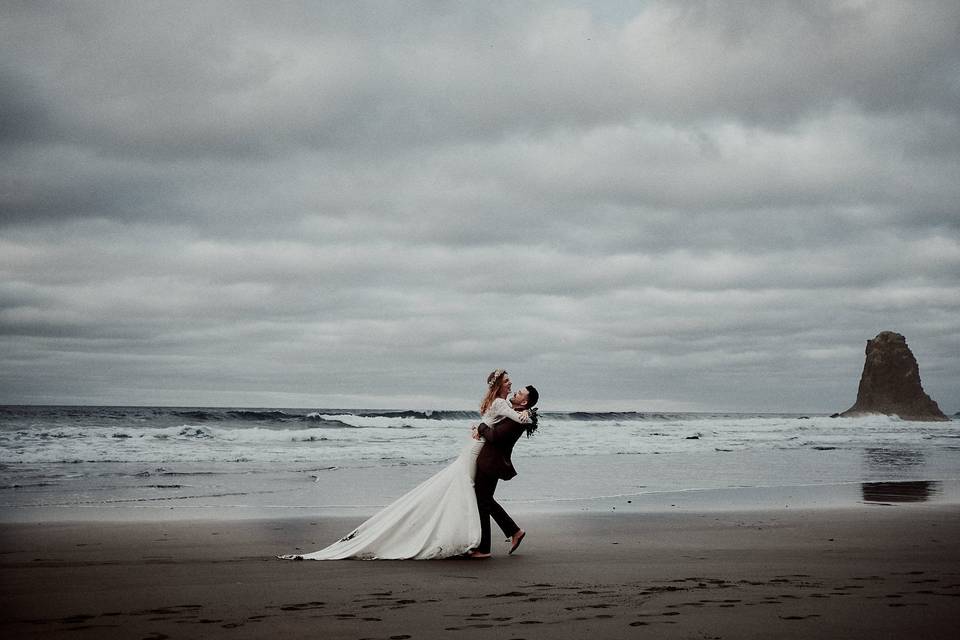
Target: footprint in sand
<point>178,609</point>
<point>589,606</point>
<point>75,619</point>
<point>301,606</point>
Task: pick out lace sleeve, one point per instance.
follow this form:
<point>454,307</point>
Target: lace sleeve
<point>503,409</point>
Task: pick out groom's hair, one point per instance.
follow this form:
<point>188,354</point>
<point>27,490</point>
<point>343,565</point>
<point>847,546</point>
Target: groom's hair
<point>533,396</point>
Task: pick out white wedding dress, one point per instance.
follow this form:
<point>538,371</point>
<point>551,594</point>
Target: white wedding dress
<point>436,519</point>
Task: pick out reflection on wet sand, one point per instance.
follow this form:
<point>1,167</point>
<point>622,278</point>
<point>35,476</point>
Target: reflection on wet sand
<point>916,491</point>
<point>884,459</point>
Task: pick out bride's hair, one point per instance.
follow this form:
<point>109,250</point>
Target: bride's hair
<point>494,384</point>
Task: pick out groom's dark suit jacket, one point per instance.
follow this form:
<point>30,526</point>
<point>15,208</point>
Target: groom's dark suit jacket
<point>494,458</point>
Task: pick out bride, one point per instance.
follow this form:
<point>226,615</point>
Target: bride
<point>439,517</point>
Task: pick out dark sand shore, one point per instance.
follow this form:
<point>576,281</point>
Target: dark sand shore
<point>869,571</point>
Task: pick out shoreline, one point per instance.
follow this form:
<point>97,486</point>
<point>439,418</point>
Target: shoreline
<point>807,496</point>
<point>841,572</point>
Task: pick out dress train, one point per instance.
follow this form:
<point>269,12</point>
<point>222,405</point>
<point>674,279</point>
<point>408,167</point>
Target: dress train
<point>436,519</point>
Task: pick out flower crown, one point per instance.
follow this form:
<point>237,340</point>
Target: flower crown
<point>493,377</point>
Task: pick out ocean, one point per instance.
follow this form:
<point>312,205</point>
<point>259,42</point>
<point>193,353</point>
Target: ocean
<point>76,463</point>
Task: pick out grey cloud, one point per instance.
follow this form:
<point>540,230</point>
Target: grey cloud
<point>686,206</point>
<point>777,61</point>
<point>183,80</point>
<point>24,116</point>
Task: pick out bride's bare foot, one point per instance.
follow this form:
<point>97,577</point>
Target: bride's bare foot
<point>478,554</point>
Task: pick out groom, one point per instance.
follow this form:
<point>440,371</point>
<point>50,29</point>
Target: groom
<point>494,464</point>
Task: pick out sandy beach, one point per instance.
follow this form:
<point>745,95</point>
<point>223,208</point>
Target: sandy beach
<point>865,571</point>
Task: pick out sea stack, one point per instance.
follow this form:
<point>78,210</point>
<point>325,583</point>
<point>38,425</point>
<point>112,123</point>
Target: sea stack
<point>890,383</point>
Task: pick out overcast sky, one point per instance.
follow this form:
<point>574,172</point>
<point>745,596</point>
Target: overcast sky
<point>635,206</point>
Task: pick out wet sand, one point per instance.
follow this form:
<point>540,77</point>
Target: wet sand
<point>866,571</point>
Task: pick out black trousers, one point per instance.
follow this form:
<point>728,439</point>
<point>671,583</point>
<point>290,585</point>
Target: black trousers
<point>484,486</point>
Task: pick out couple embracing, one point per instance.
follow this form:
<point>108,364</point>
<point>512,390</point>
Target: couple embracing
<point>449,514</point>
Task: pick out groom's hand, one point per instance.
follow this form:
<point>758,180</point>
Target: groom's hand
<point>474,433</point>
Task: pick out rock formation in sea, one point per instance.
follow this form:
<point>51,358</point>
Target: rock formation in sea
<point>890,383</point>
